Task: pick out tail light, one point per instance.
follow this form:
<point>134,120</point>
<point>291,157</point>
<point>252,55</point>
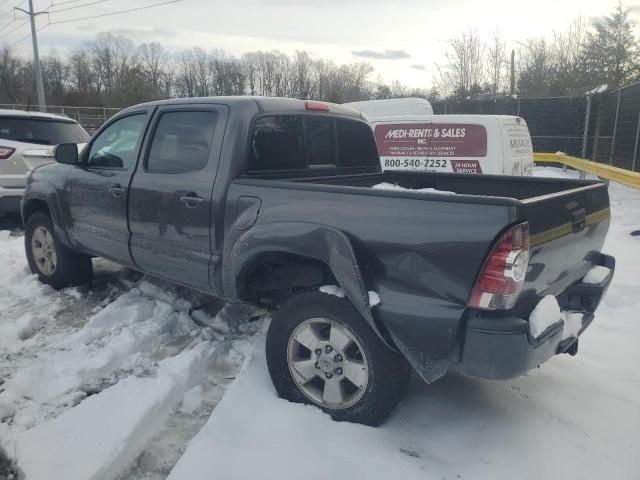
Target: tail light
<point>502,276</point>
<point>6,152</point>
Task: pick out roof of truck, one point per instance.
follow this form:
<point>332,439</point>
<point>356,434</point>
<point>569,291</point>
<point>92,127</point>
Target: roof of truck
<point>265,104</point>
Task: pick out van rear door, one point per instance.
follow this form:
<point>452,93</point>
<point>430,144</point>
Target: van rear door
<point>516,145</point>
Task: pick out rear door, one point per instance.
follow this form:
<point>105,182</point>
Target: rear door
<point>516,145</point>
<point>170,207</point>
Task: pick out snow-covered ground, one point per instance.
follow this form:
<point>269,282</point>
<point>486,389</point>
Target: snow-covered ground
<point>118,380</point>
<point>113,380</point>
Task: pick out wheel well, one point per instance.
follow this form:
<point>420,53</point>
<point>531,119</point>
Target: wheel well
<point>34,206</point>
<point>273,277</point>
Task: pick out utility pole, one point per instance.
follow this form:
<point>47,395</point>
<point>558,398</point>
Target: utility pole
<point>513,72</point>
<point>36,56</point>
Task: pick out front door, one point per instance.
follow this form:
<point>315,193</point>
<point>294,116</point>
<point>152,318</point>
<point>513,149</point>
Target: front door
<point>170,206</point>
<point>97,188</point>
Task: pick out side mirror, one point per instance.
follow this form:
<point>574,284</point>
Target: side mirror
<point>66,153</point>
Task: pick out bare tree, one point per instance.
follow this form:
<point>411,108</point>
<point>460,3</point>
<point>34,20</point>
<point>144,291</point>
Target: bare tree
<point>497,64</point>
<point>153,61</point>
<point>464,72</point>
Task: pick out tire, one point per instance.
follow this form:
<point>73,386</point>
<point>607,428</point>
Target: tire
<point>310,375</point>
<point>53,262</point>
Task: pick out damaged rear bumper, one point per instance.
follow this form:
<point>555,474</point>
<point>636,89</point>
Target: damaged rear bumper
<point>498,347</point>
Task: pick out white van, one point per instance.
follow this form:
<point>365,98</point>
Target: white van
<point>491,144</point>
<point>374,109</point>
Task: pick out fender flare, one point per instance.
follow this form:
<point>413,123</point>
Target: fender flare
<point>45,192</point>
<point>319,242</point>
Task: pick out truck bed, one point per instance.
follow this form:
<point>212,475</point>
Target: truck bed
<point>519,188</point>
<point>568,218</point>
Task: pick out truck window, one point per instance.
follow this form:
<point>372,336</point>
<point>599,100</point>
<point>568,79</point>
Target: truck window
<point>356,146</point>
<point>294,142</point>
<point>277,144</point>
<point>319,141</point>
<point>181,142</point>
<point>115,146</point>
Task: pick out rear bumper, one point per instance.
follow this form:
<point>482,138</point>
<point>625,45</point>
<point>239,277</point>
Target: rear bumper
<point>502,347</point>
<point>10,199</point>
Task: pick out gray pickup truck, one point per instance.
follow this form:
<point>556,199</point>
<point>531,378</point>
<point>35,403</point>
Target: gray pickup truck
<point>277,203</point>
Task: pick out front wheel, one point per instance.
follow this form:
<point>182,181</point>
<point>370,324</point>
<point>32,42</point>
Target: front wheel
<point>321,351</point>
<point>54,263</point>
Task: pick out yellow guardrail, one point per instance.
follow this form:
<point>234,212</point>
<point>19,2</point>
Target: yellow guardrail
<point>615,174</point>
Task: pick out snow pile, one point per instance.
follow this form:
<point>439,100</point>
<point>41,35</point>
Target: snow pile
<point>599,89</point>
<point>333,290</point>
<point>374,298</point>
<point>544,315</point>
<point>596,275</point>
<point>122,420</point>
<point>547,313</point>
<point>120,339</point>
<point>398,188</point>
<point>572,324</point>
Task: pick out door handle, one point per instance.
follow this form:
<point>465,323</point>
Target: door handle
<point>191,200</point>
<point>116,191</point>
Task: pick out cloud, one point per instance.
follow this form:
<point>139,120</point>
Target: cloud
<point>385,55</point>
<point>422,68</point>
<point>141,34</point>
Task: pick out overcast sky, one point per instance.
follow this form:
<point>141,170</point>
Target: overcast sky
<point>402,39</point>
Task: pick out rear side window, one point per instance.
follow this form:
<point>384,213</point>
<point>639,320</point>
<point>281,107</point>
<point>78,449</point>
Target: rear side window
<point>42,131</point>
<point>294,142</point>
<point>182,142</point>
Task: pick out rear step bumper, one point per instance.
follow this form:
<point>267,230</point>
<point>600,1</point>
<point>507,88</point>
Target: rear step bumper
<point>501,347</point>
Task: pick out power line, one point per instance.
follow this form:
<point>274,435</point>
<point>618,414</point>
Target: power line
<point>10,10</point>
<point>78,6</point>
<point>54,4</point>
<point>29,34</point>
<point>11,31</point>
<point>7,24</point>
<point>115,13</point>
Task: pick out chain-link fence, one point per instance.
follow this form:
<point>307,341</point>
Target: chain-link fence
<point>558,123</point>
<point>91,118</point>
<point>555,123</point>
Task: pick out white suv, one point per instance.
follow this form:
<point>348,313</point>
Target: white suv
<point>26,141</point>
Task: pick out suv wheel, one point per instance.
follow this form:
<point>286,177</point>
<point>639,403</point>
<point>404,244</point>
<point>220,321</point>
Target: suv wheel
<point>321,351</point>
<point>54,263</point>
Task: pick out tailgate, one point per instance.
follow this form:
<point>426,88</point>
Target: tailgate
<point>567,232</point>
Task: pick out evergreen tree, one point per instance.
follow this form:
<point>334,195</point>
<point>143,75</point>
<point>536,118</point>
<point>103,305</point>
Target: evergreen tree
<point>611,52</point>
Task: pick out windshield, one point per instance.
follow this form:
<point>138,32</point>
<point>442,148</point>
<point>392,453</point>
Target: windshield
<point>41,131</point>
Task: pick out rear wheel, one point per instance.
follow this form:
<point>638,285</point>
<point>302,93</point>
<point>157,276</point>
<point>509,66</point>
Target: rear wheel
<point>321,351</point>
<point>54,263</point>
